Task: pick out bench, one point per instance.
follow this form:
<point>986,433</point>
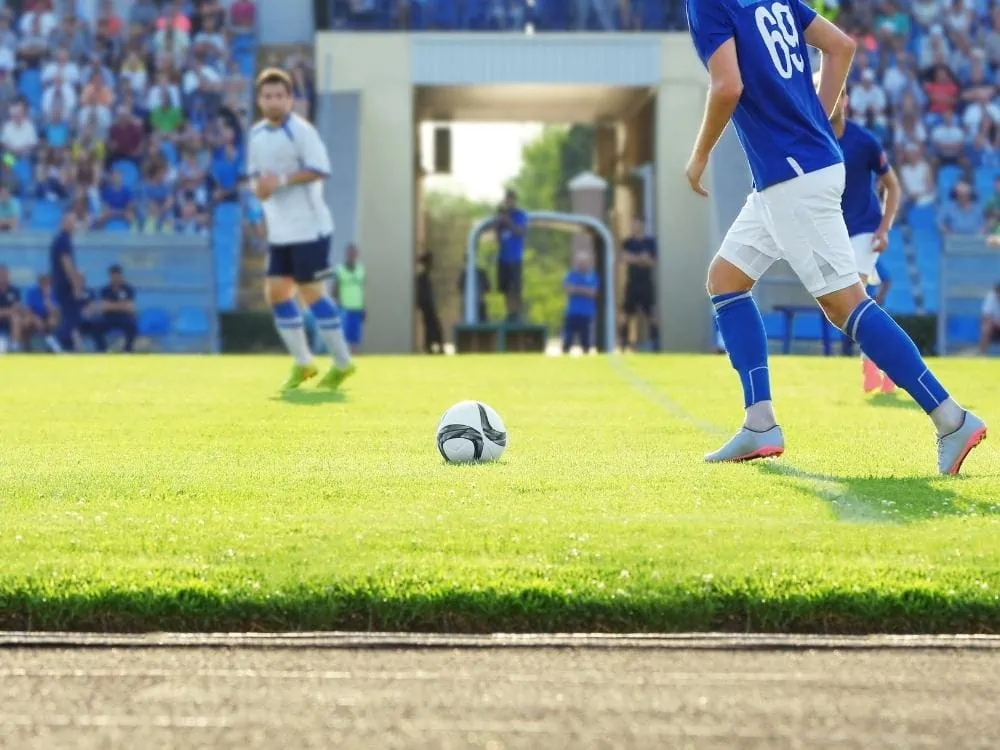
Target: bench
<point>480,338</point>
<point>819,327</point>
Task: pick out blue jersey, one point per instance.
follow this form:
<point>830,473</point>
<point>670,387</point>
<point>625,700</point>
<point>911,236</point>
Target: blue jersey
<point>779,118</point>
<point>582,304</point>
<point>511,243</point>
<point>864,160</point>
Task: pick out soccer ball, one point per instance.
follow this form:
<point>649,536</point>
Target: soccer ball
<point>471,431</point>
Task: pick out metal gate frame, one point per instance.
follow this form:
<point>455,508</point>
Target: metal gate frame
<point>555,220</point>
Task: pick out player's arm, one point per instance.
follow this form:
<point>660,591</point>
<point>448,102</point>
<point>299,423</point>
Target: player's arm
<point>724,91</point>
<point>315,160</point>
<point>892,197</point>
<point>838,53</point>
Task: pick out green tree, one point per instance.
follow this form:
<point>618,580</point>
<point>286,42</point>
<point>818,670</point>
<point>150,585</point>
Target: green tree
<point>549,162</point>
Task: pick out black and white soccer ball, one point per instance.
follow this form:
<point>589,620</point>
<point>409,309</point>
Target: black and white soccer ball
<point>471,431</point>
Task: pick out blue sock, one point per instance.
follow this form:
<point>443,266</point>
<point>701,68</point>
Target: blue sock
<point>746,342</point>
<point>888,346</point>
<point>326,312</point>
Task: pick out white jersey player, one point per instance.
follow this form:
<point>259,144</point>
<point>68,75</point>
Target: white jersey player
<point>287,164</point>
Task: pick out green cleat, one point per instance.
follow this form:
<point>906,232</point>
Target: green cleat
<point>335,376</point>
<point>299,375</point>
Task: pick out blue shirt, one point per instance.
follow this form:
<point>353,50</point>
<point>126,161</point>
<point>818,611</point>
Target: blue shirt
<point>123,293</point>
<point>960,220</point>
<point>864,160</point>
<point>779,118</point>
<point>62,247</point>
<point>226,171</point>
<point>511,243</point>
<point>34,300</point>
<point>117,199</point>
<point>581,304</point>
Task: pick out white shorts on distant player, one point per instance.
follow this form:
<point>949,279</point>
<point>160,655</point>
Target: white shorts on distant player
<point>866,256</point>
<point>799,221</point>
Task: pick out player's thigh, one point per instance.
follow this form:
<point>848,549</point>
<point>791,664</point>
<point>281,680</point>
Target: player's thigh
<point>748,247</point>
<point>311,262</point>
<point>805,218</point>
<point>864,255</point>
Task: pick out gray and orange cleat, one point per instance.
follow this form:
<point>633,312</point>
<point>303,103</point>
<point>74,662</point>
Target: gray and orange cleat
<point>955,446</point>
<point>746,445</point>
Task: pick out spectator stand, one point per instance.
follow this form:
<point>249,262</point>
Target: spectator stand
<point>173,278</point>
<point>969,270</point>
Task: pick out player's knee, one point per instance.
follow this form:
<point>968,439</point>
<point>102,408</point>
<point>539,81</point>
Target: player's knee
<point>725,278</point>
<point>839,305</point>
<point>278,290</point>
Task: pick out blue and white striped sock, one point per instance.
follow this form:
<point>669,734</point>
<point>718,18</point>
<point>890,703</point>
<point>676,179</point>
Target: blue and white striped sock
<point>327,316</point>
<point>288,321</point>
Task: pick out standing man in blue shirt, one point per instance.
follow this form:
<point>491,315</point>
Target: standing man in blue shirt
<point>67,283</point>
<point>868,220</point>
<point>581,286</point>
<point>511,225</point>
<point>761,78</point>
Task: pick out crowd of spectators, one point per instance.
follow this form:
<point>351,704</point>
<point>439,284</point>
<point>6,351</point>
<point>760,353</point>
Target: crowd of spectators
<point>132,122</point>
<point>925,81</point>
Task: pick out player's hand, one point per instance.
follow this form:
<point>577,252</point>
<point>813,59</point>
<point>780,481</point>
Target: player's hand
<point>267,183</point>
<point>879,242</point>
<point>993,240</point>
<point>694,171</point>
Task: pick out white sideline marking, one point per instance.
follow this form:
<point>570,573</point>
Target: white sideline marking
<point>847,506</point>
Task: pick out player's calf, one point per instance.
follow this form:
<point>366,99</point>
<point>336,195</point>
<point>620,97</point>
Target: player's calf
<point>881,338</point>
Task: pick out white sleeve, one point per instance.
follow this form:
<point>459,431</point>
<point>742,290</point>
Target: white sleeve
<point>313,150</point>
<point>254,167</point>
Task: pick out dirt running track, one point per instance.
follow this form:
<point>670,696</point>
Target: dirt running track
<point>396,691</point>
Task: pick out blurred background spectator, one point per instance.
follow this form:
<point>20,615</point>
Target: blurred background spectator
<point>132,121</point>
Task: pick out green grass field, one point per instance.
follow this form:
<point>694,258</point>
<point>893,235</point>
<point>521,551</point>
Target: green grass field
<point>154,493</point>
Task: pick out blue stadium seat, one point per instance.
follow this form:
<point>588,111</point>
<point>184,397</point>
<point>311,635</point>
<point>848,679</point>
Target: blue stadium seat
<point>129,172</point>
<point>45,215</point>
<point>948,175</point>
<point>154,322</point>
<point>117,225</point>
<point>899,300</point>
<point>30,86</point>
<point>25,173</point>
<point>984,180</point>
<point>963,328</point>
<point>923,217</point>
<point>192,321</point>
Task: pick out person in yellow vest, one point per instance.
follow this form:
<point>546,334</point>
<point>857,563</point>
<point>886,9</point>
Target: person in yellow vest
<point>349,291</point>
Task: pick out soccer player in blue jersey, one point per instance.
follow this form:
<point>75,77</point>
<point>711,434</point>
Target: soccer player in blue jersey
<point>868,221</point>
<point>761,78</point>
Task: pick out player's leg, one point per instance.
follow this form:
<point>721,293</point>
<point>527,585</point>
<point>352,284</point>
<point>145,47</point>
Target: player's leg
<point>811,234</point>
<point>586,325</point>
<point>567,341</point>
<point>988,333</point>
<point>279,288</point>
<point>649,310</point>
<point>311,268</point>
<point>746,253</point>
<point>629,308</point>
<point>516,290</point>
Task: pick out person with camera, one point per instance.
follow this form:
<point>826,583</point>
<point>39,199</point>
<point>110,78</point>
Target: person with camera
<point>511,225</point>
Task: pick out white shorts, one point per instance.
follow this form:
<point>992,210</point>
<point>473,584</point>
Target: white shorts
<point>801,222</point>
<point>867,257</point>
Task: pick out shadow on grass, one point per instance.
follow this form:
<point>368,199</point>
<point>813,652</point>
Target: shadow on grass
<point>310,397</point>
<point>741,606</point>
<point>898,400</point>
<point>886,499</point>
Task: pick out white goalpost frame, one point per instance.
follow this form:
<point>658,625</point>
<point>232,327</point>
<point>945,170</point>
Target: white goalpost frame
<point>556,220</point>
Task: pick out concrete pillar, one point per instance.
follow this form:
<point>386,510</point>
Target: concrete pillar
<point>682,217</point>
<point>588,196</point>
